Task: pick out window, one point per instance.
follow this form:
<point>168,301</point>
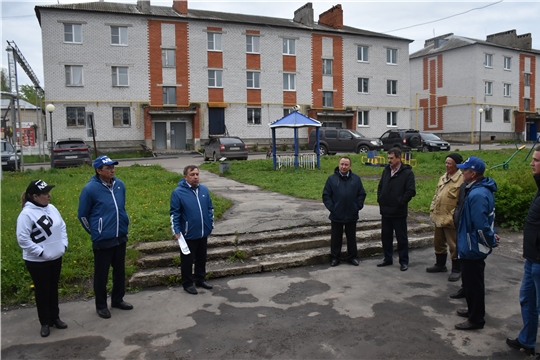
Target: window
<point>120,76</point>
<point>507,63</point>
<point>527,79</point>
<point>215,78</point>
<point>489,114</point>
<point>74,75</point>
<point>253,116</point>
<point>363,85</point>
<point>119,35</point>
<point>121,116</point>
<point>391,118</point>
<point>289,46</point>
<point>327,100</point>
<point>289,81</point>
<point>527,104</point>
<point>488,88</point>
<point>506,90</point>
<point>253,44</point>
<point>363,118</point>
<point>253,80</point>
<point>327,67</point>
<point>287,111</point>
<point>169,95</point>
<point>168,57</point>
<point>391,56</point>
<point>362,53</point>
<point>488,60</point>
<point>214,41</point>
<point>75,116</point>
<point>506,115</point>
<point>73,33</point>
<point>391,87</point>
<point>330,134</point>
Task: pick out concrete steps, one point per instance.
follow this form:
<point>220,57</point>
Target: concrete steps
<point>232,254</point>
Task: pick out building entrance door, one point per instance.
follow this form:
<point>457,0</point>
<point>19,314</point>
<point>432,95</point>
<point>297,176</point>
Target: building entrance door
<point>160,130</point>
<point>178,135</point>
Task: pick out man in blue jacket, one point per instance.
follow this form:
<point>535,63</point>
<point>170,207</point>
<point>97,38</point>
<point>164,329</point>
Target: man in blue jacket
<point>475,239</point>
<point>343,196</point>
<point>192,220</point>
<point>103,215</point>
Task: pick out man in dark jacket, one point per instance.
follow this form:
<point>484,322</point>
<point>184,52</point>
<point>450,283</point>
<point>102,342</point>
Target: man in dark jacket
<point>396,189</point>
<point>192,220</point>
<point>475,239</point>
<point>103,215</point>
<point>344,196</point>
<point>529,294</point>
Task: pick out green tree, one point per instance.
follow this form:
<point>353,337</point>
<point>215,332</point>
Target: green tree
<point>4,80</point>
<point>28,93</point>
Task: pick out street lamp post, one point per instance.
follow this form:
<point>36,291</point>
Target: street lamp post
<point>50,109</point>
<point>481,110</point>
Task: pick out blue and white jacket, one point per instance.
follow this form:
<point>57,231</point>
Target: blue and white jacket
<point>102,212</point>
<point>192,212</point>
<point>476,231</point>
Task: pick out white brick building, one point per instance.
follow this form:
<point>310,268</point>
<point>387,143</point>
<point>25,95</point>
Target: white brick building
<point>453,77</point>
<point>169,77</point>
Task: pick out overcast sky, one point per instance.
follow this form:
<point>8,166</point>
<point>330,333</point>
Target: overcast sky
<point>418,21</point>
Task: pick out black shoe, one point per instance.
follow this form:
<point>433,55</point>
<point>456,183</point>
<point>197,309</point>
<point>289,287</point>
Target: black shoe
<point>454,276</point>
<point>467,325</point>
<point>204,285</point>
<point>463,313</point>
<point>384,263</point>
<point>191,289</point>
<point>515,344</point>
<point>354,262</point>
<point>403,267</point>
<point>436,268</point>
<point>123,305</point>
<point>59,324</point>
<point>459,295</point>
<point>334,262</point>
<point>45,331</point>
<point>104,313</point>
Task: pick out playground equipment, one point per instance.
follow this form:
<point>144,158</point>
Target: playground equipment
<point>504,165</point>
<point>407,158</point>
<point>372,159</point>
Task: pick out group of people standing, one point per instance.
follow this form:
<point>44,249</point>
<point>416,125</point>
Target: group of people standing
<point>41,233</point>
<point>463,212</point>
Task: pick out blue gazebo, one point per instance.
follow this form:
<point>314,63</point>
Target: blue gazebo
<point>295,120</point>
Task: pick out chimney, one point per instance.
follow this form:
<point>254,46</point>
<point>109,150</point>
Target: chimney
<point>180,6</point>
<point>511,39</point>
<point>304,15</point>
<point>332,17</point>
<point>143,6</point>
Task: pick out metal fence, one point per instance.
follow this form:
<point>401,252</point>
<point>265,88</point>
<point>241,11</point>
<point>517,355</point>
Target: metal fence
<point>307,161</point>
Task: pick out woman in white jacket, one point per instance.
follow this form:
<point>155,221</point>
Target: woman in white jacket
<point>41,233</point>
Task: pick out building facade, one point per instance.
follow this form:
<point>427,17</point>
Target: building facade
<point>465,88</point>
<point>171,77</point>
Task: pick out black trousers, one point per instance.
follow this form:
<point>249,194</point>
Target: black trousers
<point>103,260</point>
<point>472,275</point>
<point>336,240</point>
<point>45,276</point>
<point>399,225</point>
<point>196,257</point>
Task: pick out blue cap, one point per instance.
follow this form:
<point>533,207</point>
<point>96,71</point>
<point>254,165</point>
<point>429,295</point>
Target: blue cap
<point>103,160</point>
<point>473,163</point>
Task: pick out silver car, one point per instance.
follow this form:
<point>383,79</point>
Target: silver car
<point>225,147</point>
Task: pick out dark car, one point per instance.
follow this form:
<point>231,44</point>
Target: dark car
<point>9,156</point>
<point>431,142</point>
<point>225,147</point>
<point>70,152</point>
<point>405,139</point>
<point>334,140</point>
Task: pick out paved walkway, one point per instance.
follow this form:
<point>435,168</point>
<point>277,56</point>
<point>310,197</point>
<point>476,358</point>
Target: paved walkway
<point>310,312</point>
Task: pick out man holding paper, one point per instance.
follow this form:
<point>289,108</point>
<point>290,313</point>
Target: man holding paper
<point>192,220</point>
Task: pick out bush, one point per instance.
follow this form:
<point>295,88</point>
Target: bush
<point>513,198</point>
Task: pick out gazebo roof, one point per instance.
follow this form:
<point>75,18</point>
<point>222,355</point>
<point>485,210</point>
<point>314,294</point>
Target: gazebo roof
<point>295,120</point>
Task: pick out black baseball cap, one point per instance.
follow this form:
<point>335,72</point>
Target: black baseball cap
<point>38,187</point>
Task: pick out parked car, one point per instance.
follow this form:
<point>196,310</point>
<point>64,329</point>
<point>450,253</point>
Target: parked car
<point>334,140</point>
<point>70,152</point>
<point>431,142</point>
<point>10,156</point>
<point>405,139</point>
<point>228,147</point>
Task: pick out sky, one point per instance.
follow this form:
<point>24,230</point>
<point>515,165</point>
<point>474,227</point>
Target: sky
<point>414,20</point>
